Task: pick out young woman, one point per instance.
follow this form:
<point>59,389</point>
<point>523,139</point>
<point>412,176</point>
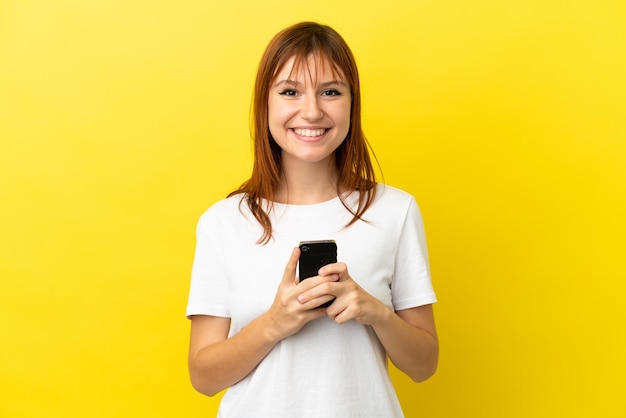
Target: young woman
<point>255,328</point>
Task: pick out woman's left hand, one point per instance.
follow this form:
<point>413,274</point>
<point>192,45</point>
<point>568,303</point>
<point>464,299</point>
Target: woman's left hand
<point>352,302</point>
<point>408,336</point>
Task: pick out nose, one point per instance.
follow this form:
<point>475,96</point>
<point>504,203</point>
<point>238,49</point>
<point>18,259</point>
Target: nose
<point>311,109</point>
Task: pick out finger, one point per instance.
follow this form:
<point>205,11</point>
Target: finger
<point>340,318</point>
<point>340,312</point>
<point>315,281</point>
<point>289,275</point>
<point>321,290</point>
<point>339,269</point>
<point>316,312</point>
<point>316,303</point>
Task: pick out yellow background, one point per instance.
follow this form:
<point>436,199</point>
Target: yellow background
<point>121,121</point>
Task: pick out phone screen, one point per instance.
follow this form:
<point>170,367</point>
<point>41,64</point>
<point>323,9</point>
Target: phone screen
<point>313,256</point>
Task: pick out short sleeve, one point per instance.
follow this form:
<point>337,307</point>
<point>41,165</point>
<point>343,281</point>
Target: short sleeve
<point>208,293</point>
<point>411,284</point>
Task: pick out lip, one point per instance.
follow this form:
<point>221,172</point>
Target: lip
<point>310,133</point>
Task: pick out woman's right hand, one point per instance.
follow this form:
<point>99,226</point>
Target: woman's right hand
<point>217,361</point>
<point>287,315</point>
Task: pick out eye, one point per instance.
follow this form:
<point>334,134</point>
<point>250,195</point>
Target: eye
<point>288,92</point>
<point>331,92</point>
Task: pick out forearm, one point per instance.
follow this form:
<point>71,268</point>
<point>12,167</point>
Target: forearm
<point>224,363</point>
<point>412,349</point>
<point>217,362</point>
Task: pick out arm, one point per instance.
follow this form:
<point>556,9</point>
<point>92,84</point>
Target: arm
<point>216,361</point>
<point>409,336</point>
<point>410,339</point>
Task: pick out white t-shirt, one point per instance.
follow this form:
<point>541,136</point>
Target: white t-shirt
<point>326,369</point>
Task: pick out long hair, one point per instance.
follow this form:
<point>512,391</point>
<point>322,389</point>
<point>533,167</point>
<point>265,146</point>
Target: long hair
<point>352,157</point>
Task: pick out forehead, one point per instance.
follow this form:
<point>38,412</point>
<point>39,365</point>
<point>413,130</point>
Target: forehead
<point>312,67</point>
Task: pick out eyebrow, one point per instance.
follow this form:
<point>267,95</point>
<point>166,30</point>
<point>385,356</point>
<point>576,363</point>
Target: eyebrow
<point>322,85</point>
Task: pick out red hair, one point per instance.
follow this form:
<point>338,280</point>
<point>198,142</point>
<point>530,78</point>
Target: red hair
<point>352,157</point>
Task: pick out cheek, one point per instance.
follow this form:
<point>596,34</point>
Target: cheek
<point>278,114</point>
<point>345,117</point>
<point>277,119</point>
<point>273,118</point>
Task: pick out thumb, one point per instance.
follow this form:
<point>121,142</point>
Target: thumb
<point>289,275</point>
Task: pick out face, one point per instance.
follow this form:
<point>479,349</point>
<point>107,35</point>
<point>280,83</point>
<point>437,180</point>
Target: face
<point>308,112</point>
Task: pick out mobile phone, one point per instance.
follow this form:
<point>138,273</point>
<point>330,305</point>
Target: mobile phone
<point>313,256</point>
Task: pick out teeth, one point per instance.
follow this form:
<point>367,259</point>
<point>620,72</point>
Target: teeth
<point>309,132</point>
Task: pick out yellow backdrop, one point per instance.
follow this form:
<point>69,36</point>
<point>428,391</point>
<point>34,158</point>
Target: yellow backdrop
<point>121,121</point>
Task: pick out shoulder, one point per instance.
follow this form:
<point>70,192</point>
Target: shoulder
<point>392,196</point>
<point>393,205</point>
<point>224,210</point>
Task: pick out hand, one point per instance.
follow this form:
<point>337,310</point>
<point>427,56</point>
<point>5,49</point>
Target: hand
<point>352,302</point>
<point>288,315</point>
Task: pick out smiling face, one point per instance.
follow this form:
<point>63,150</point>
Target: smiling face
<point>308,111</point>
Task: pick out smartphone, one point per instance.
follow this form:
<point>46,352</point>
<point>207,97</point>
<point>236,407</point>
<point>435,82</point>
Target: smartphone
<point>313,256</point>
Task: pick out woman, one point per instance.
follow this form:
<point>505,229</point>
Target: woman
<point>259,331</point>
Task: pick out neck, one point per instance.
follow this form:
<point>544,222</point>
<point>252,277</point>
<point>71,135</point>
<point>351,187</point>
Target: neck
<point>307,183</point>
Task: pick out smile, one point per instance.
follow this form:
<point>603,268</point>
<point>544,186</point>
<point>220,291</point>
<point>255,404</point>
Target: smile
<point>309,132</point>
